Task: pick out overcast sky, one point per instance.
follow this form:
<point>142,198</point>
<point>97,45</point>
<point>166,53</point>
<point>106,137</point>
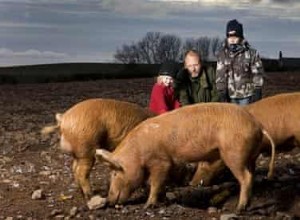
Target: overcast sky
<point>56,31</point>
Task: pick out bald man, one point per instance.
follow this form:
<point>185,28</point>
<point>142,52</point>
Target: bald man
<point>196,83</point>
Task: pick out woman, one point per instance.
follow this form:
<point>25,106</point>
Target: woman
<point>162,96</point>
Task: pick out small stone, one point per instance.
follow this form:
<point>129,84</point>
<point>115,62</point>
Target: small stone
<point>262,162</point>
<point>9,218</point>
<point>212,210</point>
<point>291,171</point>
<point>228,216</point>
<point>45,173</point>
<point>73,211</point>
<point>215,187</point>
<point>78,216</point>
<point>171,196</point>
<point>37,194</point>
<point>6,181</point>
<point>59,217</point>
<point>5,159</point>
<point>55,212</point>
<point>162,212</point>
<point>91,217</point>
<point>96,202</point>
<point>117,206</point>
<point>150,214</point>
<point>282,215</point>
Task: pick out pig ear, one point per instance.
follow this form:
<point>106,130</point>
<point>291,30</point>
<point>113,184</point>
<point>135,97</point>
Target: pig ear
<point>107,156</point>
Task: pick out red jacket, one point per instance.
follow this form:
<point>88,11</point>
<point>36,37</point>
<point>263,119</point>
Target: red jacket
<point>162,99</point>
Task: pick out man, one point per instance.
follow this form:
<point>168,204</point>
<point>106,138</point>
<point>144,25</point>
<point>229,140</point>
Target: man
<point>239,68</point>
<point>195,83</point>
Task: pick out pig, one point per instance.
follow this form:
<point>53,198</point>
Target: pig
<point>91,124</point>
<point>199,132</point>
<point>279,115</point>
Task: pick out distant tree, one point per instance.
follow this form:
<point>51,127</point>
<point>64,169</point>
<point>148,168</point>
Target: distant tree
<point>149,46</point>
<point>216,44</point>
<point>157,47</point>
<point>169,48</point>
<point>128,54</point>
<point>206,47</point>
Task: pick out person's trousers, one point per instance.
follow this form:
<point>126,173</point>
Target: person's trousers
<point>242,101</point>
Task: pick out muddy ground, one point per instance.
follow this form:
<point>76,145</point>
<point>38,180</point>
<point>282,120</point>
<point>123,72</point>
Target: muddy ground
<point>30,162</point>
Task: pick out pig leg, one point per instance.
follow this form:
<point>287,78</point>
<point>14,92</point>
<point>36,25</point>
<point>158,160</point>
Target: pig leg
<point>240,169</point>
<point>81,169</point>
<point>158,176</point>
<point>245,179</point>
<point>206,171</point>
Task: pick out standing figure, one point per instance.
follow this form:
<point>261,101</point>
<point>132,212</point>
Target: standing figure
<point>162,96</point>
<point>239,68</point>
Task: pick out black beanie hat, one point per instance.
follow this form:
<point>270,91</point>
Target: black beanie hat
<point>234,28</point>
<point>168,68</point>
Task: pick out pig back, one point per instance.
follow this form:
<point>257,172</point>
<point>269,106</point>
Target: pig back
<point>279,115</point>
<point>101,121</point>
<point>193,131</point>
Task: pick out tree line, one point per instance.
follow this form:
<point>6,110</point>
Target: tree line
<point>157,47</point>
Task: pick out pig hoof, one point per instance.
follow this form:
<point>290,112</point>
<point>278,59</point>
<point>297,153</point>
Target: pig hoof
<point>87,196</point>
<point>240,210</point>
<point>150,206</point>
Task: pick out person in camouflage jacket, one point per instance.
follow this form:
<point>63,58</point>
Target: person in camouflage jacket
<point>195,82</point>
<point>239,74</point>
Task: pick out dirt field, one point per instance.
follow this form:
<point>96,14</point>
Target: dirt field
<point>29,162</point>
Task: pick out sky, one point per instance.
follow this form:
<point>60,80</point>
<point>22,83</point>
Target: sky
<point>59,31</point>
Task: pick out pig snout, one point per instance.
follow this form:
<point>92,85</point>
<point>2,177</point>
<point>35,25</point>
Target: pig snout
<point>119,192</point>
<point>117,197</point>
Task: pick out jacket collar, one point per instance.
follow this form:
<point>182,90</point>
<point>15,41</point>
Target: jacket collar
<point>202,78</point>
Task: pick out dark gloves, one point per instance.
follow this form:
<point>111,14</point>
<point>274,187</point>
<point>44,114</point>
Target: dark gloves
<point>223,96</point>
<point>257,94</point>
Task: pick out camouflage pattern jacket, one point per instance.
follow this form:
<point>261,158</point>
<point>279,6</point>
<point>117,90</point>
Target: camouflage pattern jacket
<point>239,74</point>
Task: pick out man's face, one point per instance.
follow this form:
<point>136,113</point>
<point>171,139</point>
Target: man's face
<point>192,64</point>
<point>233,40</point>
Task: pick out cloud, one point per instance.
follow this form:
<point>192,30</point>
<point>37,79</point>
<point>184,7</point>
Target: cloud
<point>9,57</point>
<point>152,8</point>
<point>19,24</point>
<point>160,8</point>
<point>4,52</point>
